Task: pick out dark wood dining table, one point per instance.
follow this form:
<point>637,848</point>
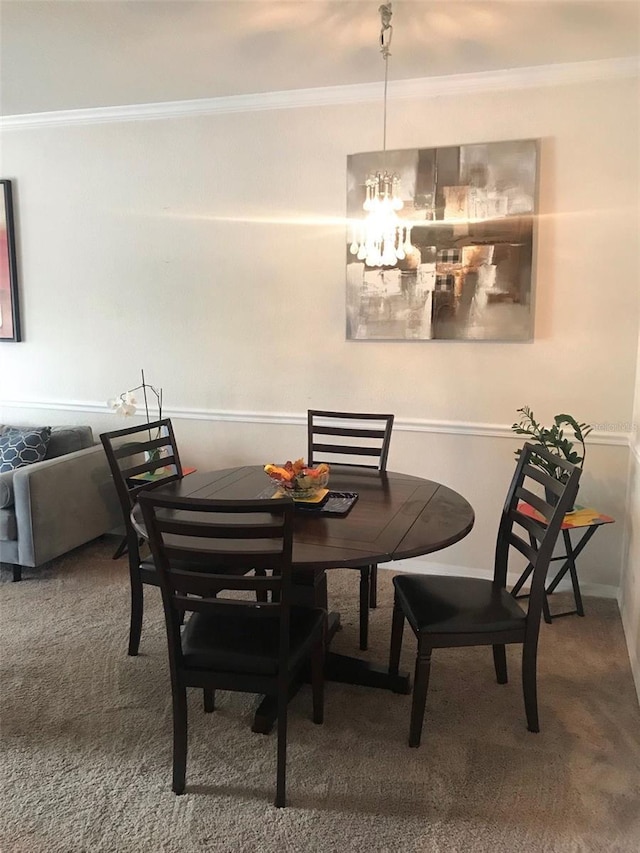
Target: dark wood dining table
<point>396,516</point>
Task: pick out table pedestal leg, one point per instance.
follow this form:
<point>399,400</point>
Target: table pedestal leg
<point>311,590</point>
<point>349,670</point>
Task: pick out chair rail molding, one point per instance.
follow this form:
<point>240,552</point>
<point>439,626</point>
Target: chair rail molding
<point>559,74</point>
<point>616,438</point>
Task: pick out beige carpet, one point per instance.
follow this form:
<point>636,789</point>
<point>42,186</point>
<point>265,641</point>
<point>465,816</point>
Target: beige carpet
<point>86,740</point>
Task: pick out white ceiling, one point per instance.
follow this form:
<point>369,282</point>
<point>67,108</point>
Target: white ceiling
<point>70,54</point>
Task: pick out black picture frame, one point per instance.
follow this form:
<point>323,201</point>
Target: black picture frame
<point>9,306</point>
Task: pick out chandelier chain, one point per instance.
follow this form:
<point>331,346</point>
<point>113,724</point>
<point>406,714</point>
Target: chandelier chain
<point>386,34</point>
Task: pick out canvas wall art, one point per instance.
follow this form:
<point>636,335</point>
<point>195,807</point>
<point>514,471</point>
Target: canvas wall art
<point>469,213</point>
<point>9,310</point>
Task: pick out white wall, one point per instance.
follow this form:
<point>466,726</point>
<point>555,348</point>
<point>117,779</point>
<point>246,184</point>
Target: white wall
<point>211,251</point>
<point>630,584</point>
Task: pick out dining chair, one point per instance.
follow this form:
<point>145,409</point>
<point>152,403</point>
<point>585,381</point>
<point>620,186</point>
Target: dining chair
<point>132,454</point>
<point>231,642</point>
<point>141,457</point>
<point>444,611</point>
<point>358,440</point>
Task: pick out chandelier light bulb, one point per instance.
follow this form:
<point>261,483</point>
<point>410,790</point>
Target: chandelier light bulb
<point>384,239</point>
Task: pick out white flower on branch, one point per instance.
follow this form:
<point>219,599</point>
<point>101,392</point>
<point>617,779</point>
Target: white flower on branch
<point>125,404</point>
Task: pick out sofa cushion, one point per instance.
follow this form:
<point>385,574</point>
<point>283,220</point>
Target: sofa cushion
<point>18,448</point>
<point>6,489</point>
<point>8,527</point>
<point>68,439</point>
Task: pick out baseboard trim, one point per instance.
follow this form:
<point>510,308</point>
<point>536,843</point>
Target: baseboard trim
<point>558,74</point>
<point>635,670</point>
<point>635,665</point>
<point>423,425</point>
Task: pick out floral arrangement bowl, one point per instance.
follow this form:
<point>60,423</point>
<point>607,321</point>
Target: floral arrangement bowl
<point>297,480</point>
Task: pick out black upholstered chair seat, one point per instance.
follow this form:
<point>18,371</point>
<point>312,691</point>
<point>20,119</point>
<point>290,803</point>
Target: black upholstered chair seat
<point>441,604</point>
<point>240,642</point>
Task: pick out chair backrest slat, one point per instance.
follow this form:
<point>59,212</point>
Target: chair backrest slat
<point>360,437</point>
<point>535,501</point>
<point>203,583</point>
<point>344,448</point>
<point>149,466</point>
<point>222,561</point>
<point>196,582</point>
<point>258,610</point>
<point>525,548</point>
<point>550,483</point>
<point>351,432</point>
<point>534,528</point>
<point>267,529</point>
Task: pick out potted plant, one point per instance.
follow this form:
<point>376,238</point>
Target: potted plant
<point>554,439</point>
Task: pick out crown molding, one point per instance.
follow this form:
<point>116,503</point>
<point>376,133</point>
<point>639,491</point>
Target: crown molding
<point>468,428</point>
<point>561,74</point>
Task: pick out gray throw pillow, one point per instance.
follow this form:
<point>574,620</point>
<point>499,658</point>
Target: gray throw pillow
<point>23,447</point>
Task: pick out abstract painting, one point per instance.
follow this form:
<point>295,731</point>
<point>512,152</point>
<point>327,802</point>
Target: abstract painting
<point>469,217</point>
<point>9,313</point>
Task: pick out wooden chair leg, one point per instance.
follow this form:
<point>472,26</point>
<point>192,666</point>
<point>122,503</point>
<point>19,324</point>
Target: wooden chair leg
<point>137,608</point>
<point>397,626</point>
<point>261,595</point>
<point>420,687</point>
<point>373,587</point>
<point>364,607</point>
<point>500,663</point>
<point>209,696</point>
<point>17,573</point>
<point>529,686</point>
<point>281,771</point>
<point>179,739</point>
<point>317,680</point>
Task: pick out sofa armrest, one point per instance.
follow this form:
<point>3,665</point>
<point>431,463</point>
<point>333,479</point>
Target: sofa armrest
<point>62,503</point>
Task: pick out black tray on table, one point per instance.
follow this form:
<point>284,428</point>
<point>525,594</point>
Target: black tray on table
<point>334,504</point>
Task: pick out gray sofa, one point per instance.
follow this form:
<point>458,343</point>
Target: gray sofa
<point>50,507</point>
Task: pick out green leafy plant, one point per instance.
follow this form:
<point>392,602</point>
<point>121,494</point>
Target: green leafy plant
<point>554,439</point>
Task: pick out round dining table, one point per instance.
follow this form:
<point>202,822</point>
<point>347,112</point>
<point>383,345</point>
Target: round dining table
<point>395,516</point>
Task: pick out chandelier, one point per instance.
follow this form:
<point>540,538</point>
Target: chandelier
<point>382,239</point>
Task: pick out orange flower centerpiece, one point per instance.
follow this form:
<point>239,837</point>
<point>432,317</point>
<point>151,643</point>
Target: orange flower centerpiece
<point>300,481</point>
